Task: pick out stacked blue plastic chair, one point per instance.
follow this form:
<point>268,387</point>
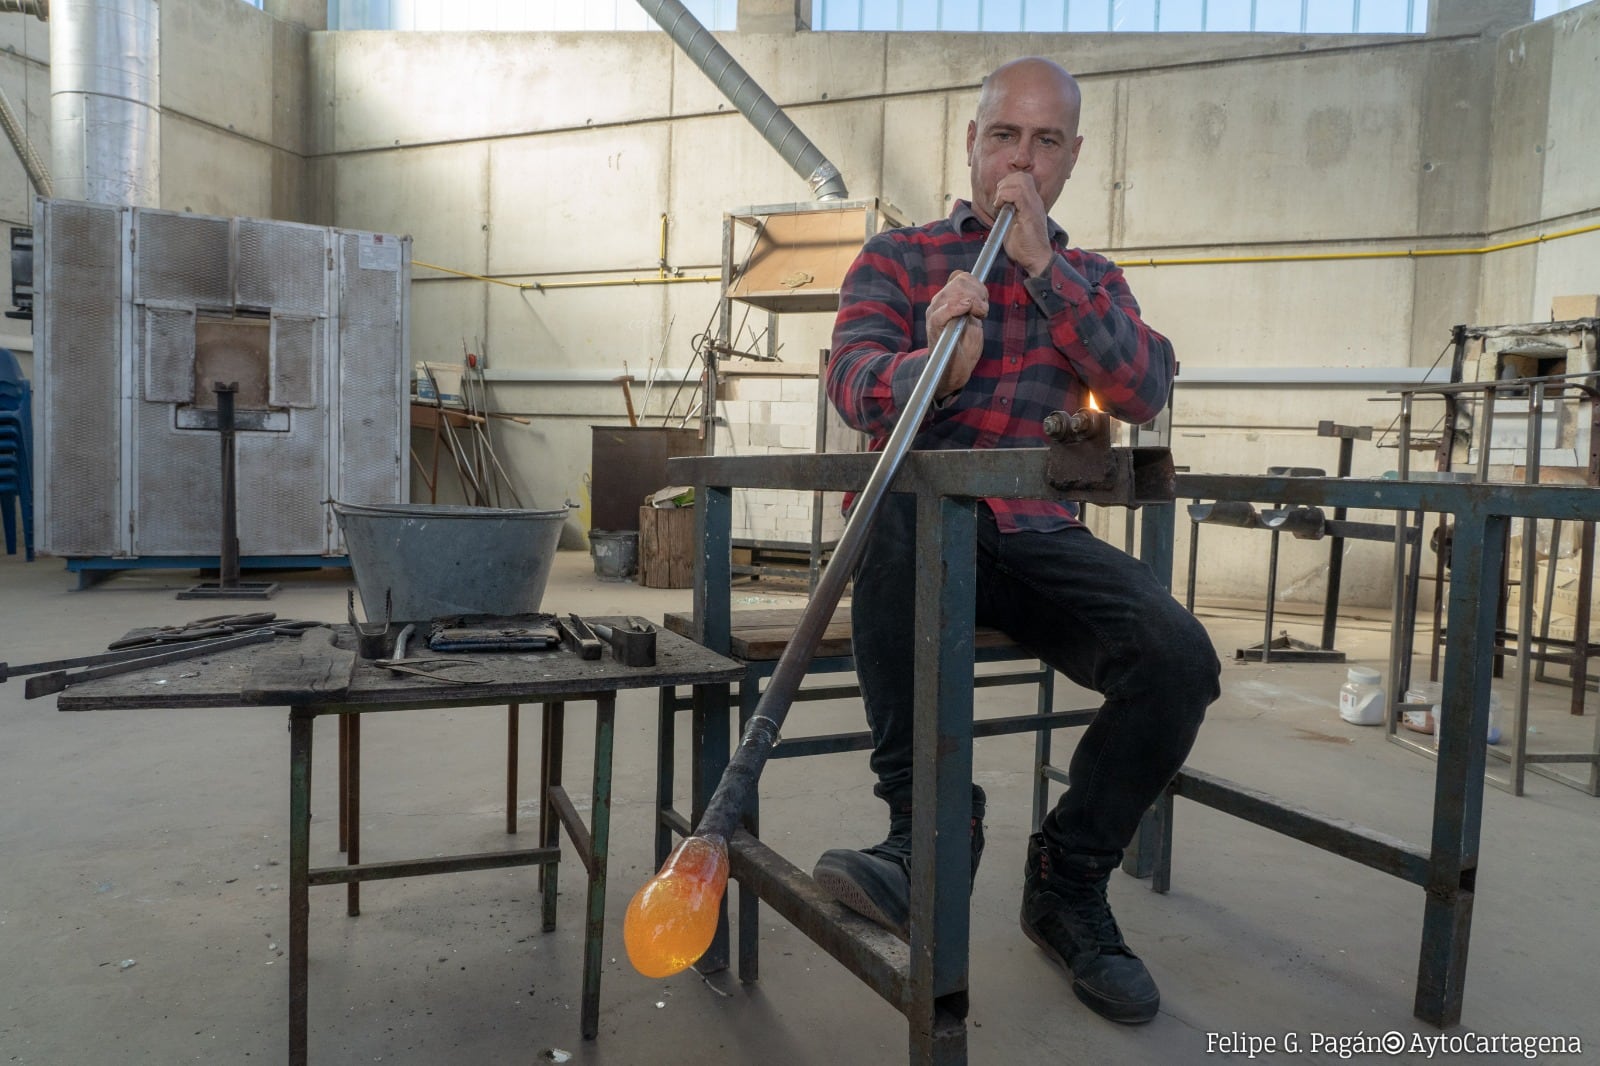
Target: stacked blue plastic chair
<point>16,453</point>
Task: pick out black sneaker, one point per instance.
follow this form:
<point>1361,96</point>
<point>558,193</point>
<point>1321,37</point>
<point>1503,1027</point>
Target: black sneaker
<point>1064,911</point>
<point>876,882</point>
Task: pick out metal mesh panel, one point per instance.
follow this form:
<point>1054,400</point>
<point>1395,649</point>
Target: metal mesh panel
<point>178,507</point>
<point>371,358</point>
<point>278,514</point>
<point>183,258</point>
<point>168,354</point>
<point>283,267</point>
<point>80,299</point>
<point>296,361</point>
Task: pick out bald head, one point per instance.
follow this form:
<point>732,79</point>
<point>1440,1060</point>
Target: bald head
<point>1032,74</point>
<point>1027,121</point>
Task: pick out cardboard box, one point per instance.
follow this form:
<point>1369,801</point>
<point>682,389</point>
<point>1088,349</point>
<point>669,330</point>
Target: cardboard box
<point>1567,308</point>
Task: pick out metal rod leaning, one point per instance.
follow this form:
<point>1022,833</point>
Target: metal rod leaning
<point>672,918</point>
<point>723,810</point>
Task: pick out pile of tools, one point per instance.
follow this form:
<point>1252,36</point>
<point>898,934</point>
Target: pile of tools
<point>155,646</point>
<point>315,665</point>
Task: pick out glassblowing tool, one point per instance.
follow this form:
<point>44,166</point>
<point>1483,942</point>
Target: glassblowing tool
<point>671,920</point>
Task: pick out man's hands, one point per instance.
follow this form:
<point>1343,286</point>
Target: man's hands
<point>962,295</point>
<point>1028,242</point>
<point>1027,245</point>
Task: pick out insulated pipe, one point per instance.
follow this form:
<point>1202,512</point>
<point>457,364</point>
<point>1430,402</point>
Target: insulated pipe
<point>37,174</point>
<point>767,117</point>
<point>105,101</point>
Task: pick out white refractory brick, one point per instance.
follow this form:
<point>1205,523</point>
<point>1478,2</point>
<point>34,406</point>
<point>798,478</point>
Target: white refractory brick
<point>763,388</point>
<point>794,511</point>
<point>800,389</point>
<point>798,438</point>
<point>758,434</point>
<point>795,413</point>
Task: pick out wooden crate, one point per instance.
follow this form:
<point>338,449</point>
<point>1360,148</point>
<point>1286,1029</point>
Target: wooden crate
<point>666,547</point>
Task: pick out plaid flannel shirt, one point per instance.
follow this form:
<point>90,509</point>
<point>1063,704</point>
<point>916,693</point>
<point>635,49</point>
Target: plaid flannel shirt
<point>1046,342</point>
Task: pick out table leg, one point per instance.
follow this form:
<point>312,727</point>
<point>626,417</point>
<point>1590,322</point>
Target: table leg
<point>513,716</point>
<point>549,825</point>
<point>599,840</point>
<point>352,854</point>
<point>712,723</point>
<point>344,776</point>
<point>300,722</point>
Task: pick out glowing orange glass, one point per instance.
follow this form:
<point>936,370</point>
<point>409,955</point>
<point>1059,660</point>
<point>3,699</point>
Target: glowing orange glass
<point>673,917</point>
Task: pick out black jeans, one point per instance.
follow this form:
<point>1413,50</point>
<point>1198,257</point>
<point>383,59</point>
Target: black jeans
<point>1087,609</point>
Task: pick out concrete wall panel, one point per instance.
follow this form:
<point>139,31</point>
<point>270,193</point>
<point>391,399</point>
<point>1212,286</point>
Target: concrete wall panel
<point>1281,314</point>
<point>1515,156</point>
<point>572,329</point>
<point>445,315</point>
<point>720,163</point>
<point>1506,291</point>
<point>437,195</point>
<point>25,37</point>
<point>1457,109</point>
<point>213,173</point>
<point>1572,173</point>
<point>802,68</point>
<point>218,61</point>
<point>1569,267</point>
<point>1268,151</point>
<point>916,157</point>
<point>607,187</point>
<point>408,88</point>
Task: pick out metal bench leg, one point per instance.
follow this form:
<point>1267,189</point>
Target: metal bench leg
<point>513,714</point>
<point>749,900</point>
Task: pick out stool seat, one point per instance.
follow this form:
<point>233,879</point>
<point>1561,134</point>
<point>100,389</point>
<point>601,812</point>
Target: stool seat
<point>761,635</point>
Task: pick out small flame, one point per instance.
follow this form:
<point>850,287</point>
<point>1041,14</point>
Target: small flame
<point>1094,405</point>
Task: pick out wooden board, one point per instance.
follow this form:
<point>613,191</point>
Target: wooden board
<point>761,635</point>
<point>313,669</point>
<point>666,547</point>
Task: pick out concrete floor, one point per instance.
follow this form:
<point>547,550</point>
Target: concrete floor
<point>143,909</point>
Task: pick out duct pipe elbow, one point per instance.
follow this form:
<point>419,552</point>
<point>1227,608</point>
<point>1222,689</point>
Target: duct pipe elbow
<point>827,183</point>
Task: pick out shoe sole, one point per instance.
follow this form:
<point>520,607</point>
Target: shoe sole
<point>845,889</point>
<point>1120,1011</point>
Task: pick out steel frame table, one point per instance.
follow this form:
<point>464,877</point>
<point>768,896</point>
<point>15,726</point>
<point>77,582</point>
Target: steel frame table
<point>552,678</point>
<point>927,979</point>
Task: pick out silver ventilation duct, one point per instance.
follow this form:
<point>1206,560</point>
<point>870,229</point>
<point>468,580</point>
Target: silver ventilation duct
<point>105,101</point>
<point>762,111</point>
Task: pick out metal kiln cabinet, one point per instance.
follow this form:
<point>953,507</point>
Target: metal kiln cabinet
<point>142,310</point>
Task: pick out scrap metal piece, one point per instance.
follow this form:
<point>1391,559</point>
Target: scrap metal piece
<point>632,644</point>
<point>371,637</point>
<point>1238,513</point>
<point>1302,523</point>
<point>579,638</point>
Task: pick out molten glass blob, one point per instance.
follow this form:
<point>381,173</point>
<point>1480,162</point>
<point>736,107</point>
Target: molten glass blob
<point>673,917</point>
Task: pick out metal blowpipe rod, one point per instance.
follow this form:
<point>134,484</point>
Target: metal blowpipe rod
<point>663,937</point>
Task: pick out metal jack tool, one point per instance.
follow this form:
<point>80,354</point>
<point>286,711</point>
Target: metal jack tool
<point>228,586</point>
<point>1082,461</point>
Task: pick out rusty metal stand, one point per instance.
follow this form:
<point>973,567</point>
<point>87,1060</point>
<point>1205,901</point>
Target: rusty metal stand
<point>228,586</point>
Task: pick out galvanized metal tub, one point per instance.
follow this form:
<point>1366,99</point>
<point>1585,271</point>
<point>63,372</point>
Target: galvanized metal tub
<point>437,560</point>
